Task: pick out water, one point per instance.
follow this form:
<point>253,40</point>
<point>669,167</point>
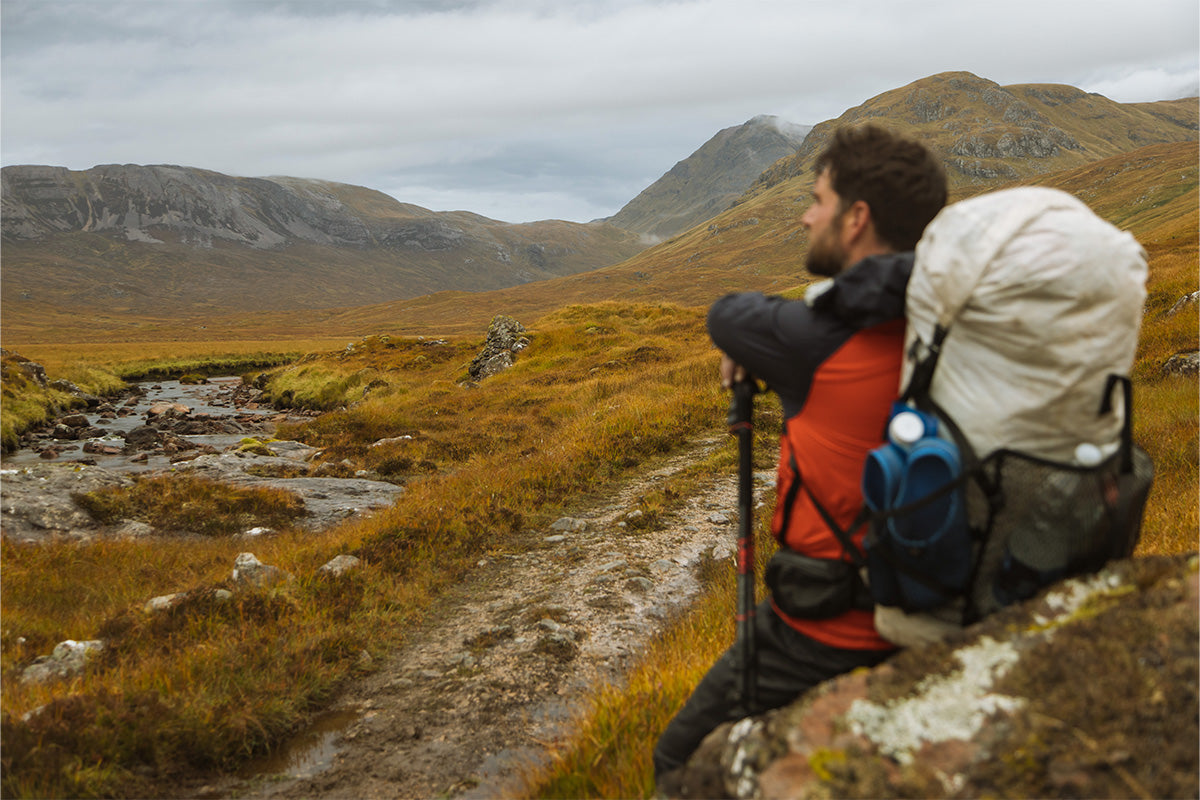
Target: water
<point>214,399</point>
<point>308,753</point>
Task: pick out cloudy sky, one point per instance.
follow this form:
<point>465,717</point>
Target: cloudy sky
<point>520,109</point>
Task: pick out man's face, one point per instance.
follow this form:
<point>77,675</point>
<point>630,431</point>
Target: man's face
<point>826,254</point>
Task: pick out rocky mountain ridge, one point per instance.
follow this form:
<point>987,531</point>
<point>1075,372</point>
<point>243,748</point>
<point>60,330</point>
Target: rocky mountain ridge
<point>706,182</point>
<point>987,133</point>
<point>253,243</point>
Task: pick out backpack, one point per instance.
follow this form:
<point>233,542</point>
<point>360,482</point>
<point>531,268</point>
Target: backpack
<point>1010,462</point>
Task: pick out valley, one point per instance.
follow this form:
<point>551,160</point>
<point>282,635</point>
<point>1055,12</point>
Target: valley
<point>554,575</point>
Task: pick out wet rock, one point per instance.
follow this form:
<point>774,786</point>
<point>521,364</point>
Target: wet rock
<point>143,437</point>
<point>38,502</point>
<point>104,447</point>
<point>327,500</point>
<point>167,409</point>
<point>64,432</point>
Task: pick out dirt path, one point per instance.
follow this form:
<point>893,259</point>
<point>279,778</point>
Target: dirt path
<point>491,679</point>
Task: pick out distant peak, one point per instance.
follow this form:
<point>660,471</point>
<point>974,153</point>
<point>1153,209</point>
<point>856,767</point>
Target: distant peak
<point>791,130</point>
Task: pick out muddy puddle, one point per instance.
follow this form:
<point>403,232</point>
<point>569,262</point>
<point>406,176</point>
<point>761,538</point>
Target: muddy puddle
<point>307,753</point>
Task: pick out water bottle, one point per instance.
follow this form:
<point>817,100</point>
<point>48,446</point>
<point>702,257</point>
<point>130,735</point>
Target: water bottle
<point>906,429</point>
<point>1088,455</point>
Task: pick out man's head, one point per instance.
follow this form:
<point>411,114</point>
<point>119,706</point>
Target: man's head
<point>875,192</point>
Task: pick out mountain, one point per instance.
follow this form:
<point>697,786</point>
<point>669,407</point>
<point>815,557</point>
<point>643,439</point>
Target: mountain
<point>987,133</point>
<point>759,244</point>
<point>706,182</point>
<point>756,244</point>
<point>177,240</point>
<point>1151,191</point>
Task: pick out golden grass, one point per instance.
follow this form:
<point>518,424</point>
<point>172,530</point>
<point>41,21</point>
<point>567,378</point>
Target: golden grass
<point>610,755</point>
<point>135,359</point>
<point>602,388</point>
<point>598,392</point>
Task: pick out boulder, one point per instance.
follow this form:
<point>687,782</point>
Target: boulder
<point>1185,364</point>
<point>164,408</point>
<point>1087,690</point>
<point>505,338</point>
<point>34,371</point>
<point>68,660</point>
<point>164,602</point>
<point>248,571</point>
<point>1184,302</point>
<point>143,437</point>
<point>340,565</point>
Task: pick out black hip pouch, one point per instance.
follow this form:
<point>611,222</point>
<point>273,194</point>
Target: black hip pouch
<point>815,588</point>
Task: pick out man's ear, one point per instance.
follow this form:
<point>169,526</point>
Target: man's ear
<point>857,222</point>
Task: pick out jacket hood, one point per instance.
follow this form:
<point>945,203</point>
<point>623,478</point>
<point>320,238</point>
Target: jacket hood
<point>869,293</point>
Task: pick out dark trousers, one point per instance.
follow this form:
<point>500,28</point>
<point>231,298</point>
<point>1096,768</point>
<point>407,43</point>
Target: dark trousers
<point>789,664</point>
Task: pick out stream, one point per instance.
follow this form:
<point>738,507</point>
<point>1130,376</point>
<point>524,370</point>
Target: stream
<point>214,402</point>
<point>167,427</point>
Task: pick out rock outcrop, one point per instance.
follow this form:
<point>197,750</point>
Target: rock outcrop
<point>505,338</point>
<point>1088,690</point>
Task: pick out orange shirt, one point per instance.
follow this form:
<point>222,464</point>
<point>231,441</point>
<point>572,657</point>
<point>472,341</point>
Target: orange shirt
<point>844,416</point>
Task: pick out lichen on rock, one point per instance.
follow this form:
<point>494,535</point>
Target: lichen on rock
<point>1087,690</point>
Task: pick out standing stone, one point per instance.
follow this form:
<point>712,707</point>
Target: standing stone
<point>505,338</point>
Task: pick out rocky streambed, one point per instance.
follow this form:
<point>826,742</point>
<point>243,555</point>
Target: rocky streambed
<point>216,430</point>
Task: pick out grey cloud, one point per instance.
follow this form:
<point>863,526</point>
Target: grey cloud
<point>534,99</point>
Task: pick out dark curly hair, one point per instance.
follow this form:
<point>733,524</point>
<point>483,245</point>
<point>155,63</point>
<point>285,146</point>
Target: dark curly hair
<point>901,181</point>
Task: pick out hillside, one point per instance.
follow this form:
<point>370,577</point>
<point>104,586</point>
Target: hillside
<point>706,182</point>
<point>176,241</point>
<point>986,133</point>
<point>756,246</point>
<point>759,243</point>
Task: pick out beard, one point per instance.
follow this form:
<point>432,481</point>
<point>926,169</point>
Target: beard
<point>826,256</point>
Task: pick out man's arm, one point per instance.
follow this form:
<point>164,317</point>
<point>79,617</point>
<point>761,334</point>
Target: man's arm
<point>777,341</point>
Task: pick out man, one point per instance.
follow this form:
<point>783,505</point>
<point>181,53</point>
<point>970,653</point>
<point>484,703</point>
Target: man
<point>834,360</point>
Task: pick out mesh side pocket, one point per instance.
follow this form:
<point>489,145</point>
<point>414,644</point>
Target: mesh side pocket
<point>1053,521</point>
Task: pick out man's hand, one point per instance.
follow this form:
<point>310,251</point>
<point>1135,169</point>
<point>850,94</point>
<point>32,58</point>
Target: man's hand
<point>731,372</point>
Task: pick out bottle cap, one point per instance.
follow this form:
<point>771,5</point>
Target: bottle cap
<point>906,428</point>
<point>1088,455</point>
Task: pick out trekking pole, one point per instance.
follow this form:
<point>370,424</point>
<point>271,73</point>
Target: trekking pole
<point>741,424</point>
